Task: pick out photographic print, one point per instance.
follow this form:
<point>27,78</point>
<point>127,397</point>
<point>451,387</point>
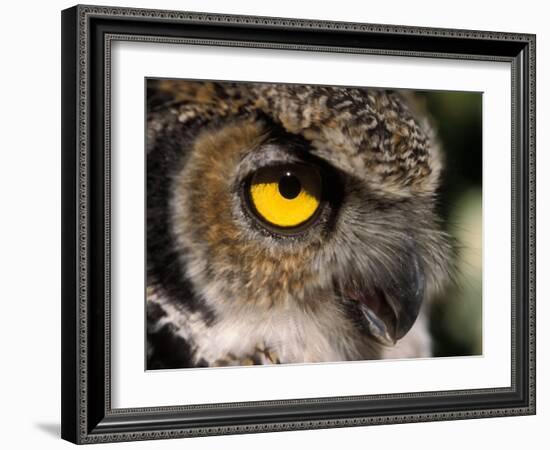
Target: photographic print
<point>311,224</point>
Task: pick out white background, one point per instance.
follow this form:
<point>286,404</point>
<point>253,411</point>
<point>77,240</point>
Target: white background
<point>30,225</point>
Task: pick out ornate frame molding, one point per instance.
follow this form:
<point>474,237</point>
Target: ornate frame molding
<point>88,32</point>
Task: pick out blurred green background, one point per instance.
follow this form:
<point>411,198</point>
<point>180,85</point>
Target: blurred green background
<point>456,316</point>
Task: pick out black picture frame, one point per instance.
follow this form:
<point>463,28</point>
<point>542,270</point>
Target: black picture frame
<point>87,32</point>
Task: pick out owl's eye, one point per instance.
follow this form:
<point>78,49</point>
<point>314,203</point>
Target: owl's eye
<point>285,196</point>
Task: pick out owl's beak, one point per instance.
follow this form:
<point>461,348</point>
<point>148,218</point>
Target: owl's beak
<point>390,311</point>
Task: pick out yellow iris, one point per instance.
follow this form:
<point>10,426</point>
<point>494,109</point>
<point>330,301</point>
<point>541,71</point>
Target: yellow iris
<point>286,196</point>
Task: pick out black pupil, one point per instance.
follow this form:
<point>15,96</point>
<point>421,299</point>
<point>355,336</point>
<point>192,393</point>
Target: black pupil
<point>289,186</point>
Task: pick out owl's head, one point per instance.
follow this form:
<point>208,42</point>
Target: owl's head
<point>269,196</point>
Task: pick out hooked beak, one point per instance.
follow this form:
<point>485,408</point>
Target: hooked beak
<point>389,311</point>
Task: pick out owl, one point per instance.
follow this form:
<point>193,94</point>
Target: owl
<point>289,224</point>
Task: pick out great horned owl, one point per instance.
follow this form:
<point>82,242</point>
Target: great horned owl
<point>288,224</point>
